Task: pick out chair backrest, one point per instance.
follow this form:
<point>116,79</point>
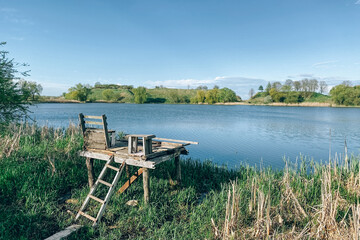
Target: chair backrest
<point>95,131</point>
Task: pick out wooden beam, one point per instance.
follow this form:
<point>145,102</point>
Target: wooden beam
<point>146,184</point>
<point>178,169</point>
<point>131,180</point>
<point>64,233</point>
<point>105,131</point>
<point>93,122</point>
<point>90,170</point>
<point>82,123</point>
<point>174,140</point>
<point>119,159</point>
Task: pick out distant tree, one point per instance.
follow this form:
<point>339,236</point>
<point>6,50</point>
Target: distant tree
<point>305,85</point>
<point>347,83</point>
<point>313,85</point>
<point>323,86</point>
<point>13,100</point>
<point>268,87</point>
<point>32,89</point>
<point>212,96</point>
<point>200,96</point>
<point>216,87</point>
<point>227,95</point>
<point>79,92</point>
<point>289,82</point>
<point>174,96</point>
<point>297,85</point>
<point>261,88</point>
<point>108,94</point>
<point>276,85</point>
<point>251,92</point>
<point>140,95</point>
<point>286,88</point>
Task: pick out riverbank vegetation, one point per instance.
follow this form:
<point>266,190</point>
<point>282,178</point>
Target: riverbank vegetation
<point>43,182</point>
<point>159,94</point>
<point>291,92</point>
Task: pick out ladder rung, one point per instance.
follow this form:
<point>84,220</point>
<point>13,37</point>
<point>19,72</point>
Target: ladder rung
<point>96,199</point>
<point>87,216</point>
<point>105,183</point>
<point>112,167</point>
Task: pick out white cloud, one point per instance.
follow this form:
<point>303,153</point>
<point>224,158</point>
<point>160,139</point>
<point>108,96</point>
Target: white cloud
<point>324,64</point>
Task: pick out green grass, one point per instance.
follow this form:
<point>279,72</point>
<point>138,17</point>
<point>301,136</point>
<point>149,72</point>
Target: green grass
<point>43,182</point>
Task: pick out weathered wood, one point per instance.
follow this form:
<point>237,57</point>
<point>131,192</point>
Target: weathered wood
<point>90,171</point>
<point>146,185</point>
<point>141,135</point>
<point>87,216</point>
<point>105,131</point>
<point>82,123</point>
<point>132,145</point>
<point>93,117</point>
<point>131,180</point>
<point>95,145</point>
<point>174,140</point>
<point>93,123</point>
<point>178,169</point>
<point>64,233</point>
<point>96,199</point>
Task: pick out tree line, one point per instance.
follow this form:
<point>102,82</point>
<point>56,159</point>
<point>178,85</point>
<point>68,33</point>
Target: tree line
<point>291,91</point>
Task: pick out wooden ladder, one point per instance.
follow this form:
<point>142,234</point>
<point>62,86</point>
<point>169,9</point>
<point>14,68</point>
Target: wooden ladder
<point>108,195</point>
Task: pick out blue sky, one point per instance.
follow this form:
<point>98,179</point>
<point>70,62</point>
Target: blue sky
<point>235,44</point>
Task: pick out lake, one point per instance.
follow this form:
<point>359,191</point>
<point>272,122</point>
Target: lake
<point>231,135</point>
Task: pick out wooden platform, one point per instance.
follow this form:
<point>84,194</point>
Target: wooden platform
<point>161,151</point>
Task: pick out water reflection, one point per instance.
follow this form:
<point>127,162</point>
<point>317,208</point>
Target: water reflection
<point>227,134</point>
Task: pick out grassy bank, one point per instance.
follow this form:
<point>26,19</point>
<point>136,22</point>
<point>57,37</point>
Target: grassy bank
<point>43,183</point>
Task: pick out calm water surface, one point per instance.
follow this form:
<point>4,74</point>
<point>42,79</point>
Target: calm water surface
<point>231,135</point>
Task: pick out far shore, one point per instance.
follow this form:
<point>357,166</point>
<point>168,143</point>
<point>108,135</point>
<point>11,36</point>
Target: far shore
<point>276,104</point>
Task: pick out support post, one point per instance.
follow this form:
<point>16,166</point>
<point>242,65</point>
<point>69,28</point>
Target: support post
<point>90,169</point>
<point>178,169</point>
<point>146,183</point>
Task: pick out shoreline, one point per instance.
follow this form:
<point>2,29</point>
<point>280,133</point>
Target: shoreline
<point>275,104</point>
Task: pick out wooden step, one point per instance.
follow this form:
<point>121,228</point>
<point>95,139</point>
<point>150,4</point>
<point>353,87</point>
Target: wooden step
<point>105,183</point>
<point>87,216</point>
<point>112,167</point>
<point>96,199</point>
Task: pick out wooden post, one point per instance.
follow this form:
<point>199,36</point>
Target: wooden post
<point>146,183</point>
<point>178,169</point>
<point>90,168</point>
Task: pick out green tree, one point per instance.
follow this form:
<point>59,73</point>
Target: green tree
<point>13,100</point>
<point>227,95</point>
<point>212,96</point>
<point>200,96</point>
<point>268,87</point>
<point>32,89</point>
<point>79,92</point>
<point>140,95</point>
<point>108,94</point>
<point>261,88</point>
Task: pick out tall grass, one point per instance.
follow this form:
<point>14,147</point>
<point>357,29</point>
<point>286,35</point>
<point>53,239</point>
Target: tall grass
<point>43,183</point>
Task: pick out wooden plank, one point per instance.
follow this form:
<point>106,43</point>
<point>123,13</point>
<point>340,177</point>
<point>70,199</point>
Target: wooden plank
<point>118,159</point>
<point>141,135</point>
<point>131,180</point>
<point>96,199</point>
<point>87,216</point>
<point>174,140</point>
<point>105,131</point>
<point>93,117</point>
<point>146,183</point>
<point>112,167</point>
<point>64,233</point>
<point>93,122</point>
<point>105,183</point>
<point>94,145</point>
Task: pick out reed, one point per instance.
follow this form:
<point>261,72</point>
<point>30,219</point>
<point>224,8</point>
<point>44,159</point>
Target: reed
<point>43,182</point>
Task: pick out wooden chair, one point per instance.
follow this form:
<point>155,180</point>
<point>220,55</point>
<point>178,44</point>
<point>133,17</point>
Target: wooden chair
<point>95,132</point>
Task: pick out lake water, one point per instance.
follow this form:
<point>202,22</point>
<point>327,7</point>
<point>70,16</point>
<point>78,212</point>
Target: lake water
<point>231,135</point>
